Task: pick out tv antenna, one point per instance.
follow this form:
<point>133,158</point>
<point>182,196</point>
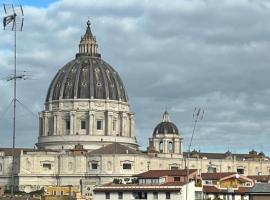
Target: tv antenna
<point>198,115</point>
<point>13,21</point>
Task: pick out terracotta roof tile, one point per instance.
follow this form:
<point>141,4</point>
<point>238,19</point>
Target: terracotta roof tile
<point>160,173</point>
<point>216,176</point>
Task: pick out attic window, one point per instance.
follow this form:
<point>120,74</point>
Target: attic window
<point>94,166</point>
<point>47,166</point>
<point>126,166</point>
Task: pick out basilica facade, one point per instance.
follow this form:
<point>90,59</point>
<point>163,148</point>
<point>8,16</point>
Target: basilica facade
<point>87,134</point>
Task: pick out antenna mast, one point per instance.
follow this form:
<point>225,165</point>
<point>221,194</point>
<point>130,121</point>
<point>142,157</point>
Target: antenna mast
<point>197,116</point>
<point>13,21</point>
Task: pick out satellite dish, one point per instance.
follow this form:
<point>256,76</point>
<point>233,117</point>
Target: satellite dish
<point>237,176</point>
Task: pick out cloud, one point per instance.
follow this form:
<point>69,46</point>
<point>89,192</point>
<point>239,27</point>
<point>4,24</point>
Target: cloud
<point>181,55</point>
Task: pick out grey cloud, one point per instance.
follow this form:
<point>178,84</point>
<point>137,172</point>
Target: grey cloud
<point>180,54</point>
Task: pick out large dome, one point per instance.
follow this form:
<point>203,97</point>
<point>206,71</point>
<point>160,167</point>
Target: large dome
<point>86,104</point>
<point>87,76</point>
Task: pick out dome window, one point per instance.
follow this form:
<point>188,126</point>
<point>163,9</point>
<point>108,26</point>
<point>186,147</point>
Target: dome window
<point>84,69</point>
<point>83,124</point>
<point>114,125</point>
<point>99,124</point>
<point>67,124</point>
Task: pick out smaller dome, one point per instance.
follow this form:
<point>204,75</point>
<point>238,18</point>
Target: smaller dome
<point>253,152</point>
<point>194,154</point>
<point>261,154</point>
<point>228,153</point>
<point>166,127</point>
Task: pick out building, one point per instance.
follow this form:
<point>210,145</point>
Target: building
<point>1,191</point>
<point>261,191</point>
<point>60,192</point>
<point>87,134</point>
<point>226,186</point>
<point>153,184</point>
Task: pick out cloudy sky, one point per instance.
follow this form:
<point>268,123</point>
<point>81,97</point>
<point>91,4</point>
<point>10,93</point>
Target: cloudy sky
<point>177,54</point>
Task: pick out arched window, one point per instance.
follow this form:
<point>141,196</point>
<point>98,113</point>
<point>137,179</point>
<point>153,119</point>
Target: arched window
<point>161,147</point>
<point>170,147</point>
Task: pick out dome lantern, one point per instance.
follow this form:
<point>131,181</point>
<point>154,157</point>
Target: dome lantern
<point>88,44</point>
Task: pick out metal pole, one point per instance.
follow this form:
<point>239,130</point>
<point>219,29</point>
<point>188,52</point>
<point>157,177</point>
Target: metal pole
<point>14,111</point>
<point>196,115</point>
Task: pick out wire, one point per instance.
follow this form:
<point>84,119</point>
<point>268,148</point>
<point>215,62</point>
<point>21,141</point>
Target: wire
<point>4,113</point>
<point>26,108</point>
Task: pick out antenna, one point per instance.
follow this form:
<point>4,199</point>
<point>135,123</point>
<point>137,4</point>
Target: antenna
<point>198,115</point>
<point>13,21</point>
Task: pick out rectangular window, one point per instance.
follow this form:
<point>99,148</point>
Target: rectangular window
<point>68,125</point>
<point>114,125</point>
<point>240,171</point>
<point>83,124</point>
<point>199,196</point>
<point>62,193</point>
<point>94,166</point>
<point>168,195</point>
<point>120,195</point>
<point>99,125</point>
<point>47,166</point>
<point>155,195</point>
<point>126,166</point>
<point>176,179</point>
<point>174,168</point>
<point>107,195</point>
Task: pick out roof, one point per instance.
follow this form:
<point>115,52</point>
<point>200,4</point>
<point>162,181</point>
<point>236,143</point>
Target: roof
<point>214,189</point>
<point>160,173</point>
<point>115,148</point>
<point>216,176</point>
<point>261,188</point>
<point>260,178</point>
<point>171,186</point>
<point>17,151</point>
<point>217,155</point>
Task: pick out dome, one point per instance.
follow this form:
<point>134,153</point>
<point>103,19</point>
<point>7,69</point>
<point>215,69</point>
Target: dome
<point>87,76</point>
<point>166,127</point>
<point>261,154</point>
<point>228,154</point>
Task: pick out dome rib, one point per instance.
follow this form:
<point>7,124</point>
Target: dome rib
<point>105,82</point>
<point>91,80</point>
<point>77,80</point>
